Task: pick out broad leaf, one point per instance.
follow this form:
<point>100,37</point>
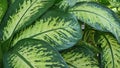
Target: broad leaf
<point>80,56</point>
<point>3,7</point>
<point>69,3</point>
<point>110,50</point>
<point>57,31</point>
<point>32,53</point>
<point>97,16</point>
<point>22,13</point>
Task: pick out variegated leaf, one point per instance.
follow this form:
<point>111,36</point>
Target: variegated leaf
<point>61,33</point>
<point>32,53</point>
<point>22,13</point>
<point>3,7</point>
<point>80,56</point>
<point>98,16</point>
<point>110,50</point>
<point>69,3</point>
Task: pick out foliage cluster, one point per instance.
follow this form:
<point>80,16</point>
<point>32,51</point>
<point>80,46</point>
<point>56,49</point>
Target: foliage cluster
<point>59,34</point>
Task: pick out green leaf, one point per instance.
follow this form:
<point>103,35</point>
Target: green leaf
<point>22,13</point>
<point>3,8</point>
<point>80,56</point>
<point>110,50</point>
<point>60,32</point>
<point>32,53</point>
<point>115,3</point>
<point>97,16</point>
<point>69,3</point>
<point>104,2</point>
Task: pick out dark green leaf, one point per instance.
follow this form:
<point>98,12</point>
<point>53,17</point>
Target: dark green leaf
<point>80,56</point>
<point>3,7</point>
<point>110,50</point>
<point>69,3</point>
<point>32,53</point>
<point>22,13</point>
<point>60,32</point>
<point>98,16</point>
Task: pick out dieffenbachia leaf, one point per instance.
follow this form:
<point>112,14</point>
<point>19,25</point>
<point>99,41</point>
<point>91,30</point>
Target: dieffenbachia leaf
<point>32,53</point>
<point>58,32</point>
<point>69,3</point>
<point>110,50</point>
<point>80,56</point>
<point>3,7</point>
<point>22,13</point>
<point>98,16</point>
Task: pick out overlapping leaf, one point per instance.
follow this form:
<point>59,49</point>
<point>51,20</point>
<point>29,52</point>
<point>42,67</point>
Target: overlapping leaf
<point>32,53</point>
<point>110,50</point>
<point>69,3</point>
<point>80,56</point>
<point>58,32</point>
<point>22,13</point>
<point>3,7</point>
<point>97,16</point>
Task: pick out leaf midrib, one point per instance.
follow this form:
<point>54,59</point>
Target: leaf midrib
<point>111,50</point>
<point>95,14</point>
<point>23,16</point>
<point>46,32</point>
<point>25,60</point>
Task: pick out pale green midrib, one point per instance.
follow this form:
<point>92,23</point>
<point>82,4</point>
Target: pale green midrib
<point>95,14</point>
<point>26,61</point>
<point>46,32</point>
<point>23,16</point>
<point>110,46</point>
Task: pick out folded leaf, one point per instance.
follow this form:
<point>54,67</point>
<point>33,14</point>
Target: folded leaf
<point>98,16</point>
<point>3,8</point>
<point>80,56</point>
<point>58,32</point>
<point>22,13</point>
<point>110,50</point>
<point>32,53</point>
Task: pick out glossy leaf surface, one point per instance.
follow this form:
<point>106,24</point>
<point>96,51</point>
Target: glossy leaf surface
<point>98,16</point>
<point>80,56</point>
<point>22,13</point>
<point>32,53</point>
<point>110,50</point>
<point>59,33</point>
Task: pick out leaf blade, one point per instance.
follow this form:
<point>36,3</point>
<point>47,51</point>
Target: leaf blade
<point>103,19</point>
<point>80,56</point>
<point>58,32</point>
<point>32,53</point>
<point>22,13</point>
<point>109,50</point>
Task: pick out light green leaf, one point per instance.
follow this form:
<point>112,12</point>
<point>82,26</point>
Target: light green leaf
<point>115,3</point>
<point>22,13</point>
<point>3,8</point>
<point>110,50</point>
<point>32,53</point>
<point>58,32</point>
<point>80,56</point>
<point>98,16</point>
